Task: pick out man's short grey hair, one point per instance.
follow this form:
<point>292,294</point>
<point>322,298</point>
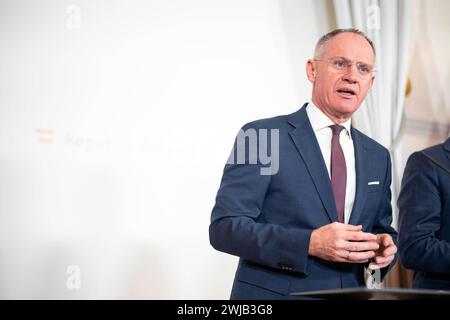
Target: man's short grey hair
<point>334,33</point>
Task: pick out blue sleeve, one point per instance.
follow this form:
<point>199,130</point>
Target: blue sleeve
<point>420,218</point>
<point>236,228</point>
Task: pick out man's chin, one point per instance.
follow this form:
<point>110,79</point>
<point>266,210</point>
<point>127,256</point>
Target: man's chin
<point>347,108</point>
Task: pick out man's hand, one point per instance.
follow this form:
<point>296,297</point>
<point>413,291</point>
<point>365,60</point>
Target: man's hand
<point>340,242</point>
<point>385,254</point>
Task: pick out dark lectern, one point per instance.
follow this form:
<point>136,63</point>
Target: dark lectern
<point>375,294</point>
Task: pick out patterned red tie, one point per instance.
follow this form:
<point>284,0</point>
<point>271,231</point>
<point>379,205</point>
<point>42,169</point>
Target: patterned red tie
<point>338,172</point>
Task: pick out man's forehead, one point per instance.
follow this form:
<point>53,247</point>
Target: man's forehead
<point>348,45</point>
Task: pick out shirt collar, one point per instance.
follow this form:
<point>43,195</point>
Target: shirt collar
<point>319,120</point>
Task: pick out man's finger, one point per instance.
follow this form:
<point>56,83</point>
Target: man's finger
<point>343,256</point>
<point>384,261</point>
<point>359,261</point>
<point>381,260</point>
<point>360,236</point>
<point>357,256</point>
<point>389,251</point>
<point>350,227</point>
<point>361,246</point>
<point>375,266</point>
<point>387,240</point>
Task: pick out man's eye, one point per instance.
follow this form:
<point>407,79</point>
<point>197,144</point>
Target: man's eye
<point>364,69</point>
<point>339,63</point>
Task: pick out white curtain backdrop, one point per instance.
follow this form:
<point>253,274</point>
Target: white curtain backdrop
<point>387,23</point>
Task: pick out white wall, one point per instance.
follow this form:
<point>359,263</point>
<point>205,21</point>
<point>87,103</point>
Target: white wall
<point>114,133</point>
<point>427,108</point>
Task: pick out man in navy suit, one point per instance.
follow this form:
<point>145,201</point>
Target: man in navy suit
<point>424,217</point>
<point>324,211</point>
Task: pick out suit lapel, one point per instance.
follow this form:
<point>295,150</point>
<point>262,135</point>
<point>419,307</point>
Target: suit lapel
<point>306,143</point>
<point>361,161</point>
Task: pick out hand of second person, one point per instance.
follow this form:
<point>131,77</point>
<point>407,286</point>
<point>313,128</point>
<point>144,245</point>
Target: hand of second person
<point>340,242</point>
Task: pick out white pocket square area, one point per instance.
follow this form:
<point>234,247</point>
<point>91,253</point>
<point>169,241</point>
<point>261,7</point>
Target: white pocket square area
<point>371,183</point>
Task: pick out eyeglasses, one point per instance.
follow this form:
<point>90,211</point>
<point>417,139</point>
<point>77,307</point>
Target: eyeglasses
<point>342,64</point>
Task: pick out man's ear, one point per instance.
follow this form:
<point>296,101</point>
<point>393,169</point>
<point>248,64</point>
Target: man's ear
<point>371,82</point>
<point>311,70</point>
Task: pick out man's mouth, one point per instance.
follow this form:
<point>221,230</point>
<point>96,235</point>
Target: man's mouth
<point>346,92</point>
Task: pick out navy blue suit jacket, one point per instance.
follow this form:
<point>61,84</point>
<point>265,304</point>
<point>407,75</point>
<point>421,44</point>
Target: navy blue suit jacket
<point>267,220</point>
<point>424,217</point>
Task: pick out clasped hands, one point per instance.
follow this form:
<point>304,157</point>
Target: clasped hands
<point>340,242</point>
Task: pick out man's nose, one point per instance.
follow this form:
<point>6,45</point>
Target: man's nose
<point>351,74</point>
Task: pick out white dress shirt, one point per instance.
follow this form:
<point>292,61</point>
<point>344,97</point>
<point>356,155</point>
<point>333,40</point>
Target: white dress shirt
<point>320,124</point>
